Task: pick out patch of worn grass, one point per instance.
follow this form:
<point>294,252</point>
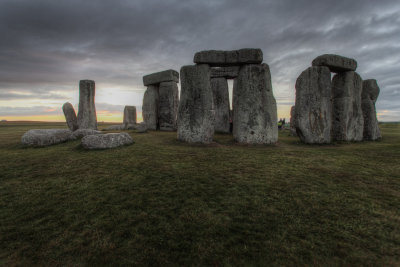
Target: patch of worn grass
<point>162,202</point>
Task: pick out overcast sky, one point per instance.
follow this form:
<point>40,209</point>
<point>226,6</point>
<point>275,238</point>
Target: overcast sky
<point>46,47</point>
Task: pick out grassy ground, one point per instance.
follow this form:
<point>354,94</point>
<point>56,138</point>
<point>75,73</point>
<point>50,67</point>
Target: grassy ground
<point>161,202</point>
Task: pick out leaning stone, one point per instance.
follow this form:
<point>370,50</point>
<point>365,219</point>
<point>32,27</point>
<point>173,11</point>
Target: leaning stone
<point>70,116</point>
<point>162,76</point>
<point>196,113</point>
<point>348,121</point>
<point>335,63</point>
<point>226,58</point>
<point>118,127</point>
<point>369,95</point>
<point>219,87</point>
<point>87,111</point>
<point>150,107</point>
<point>129,115</point>
<point>46,137</point>
<point>105,141</point>
<point>168,106</point>
<point>230,72</point>
<point>292,121</point>
<point>313,107</point>
<point>255,112</point>
<point>83,132</point>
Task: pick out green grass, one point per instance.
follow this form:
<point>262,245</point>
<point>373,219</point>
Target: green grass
<point>162,202</point>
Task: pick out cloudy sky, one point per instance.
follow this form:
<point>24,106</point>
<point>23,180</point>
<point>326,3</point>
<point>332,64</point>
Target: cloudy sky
<point>46,47</point>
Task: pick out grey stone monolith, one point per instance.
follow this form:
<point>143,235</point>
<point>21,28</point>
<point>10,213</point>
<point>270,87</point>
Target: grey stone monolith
<point>335,63</point>
<point>196,113</point>
<point>87,110</point>
<point>347,120</point>
<point>230,72</point>
<point>292,121</point>
<point>220,90</point>
<point>313,107</point>
<point>150,107</point>
<point>105,141</point>
<point>46,137</point>
<point>369,95</point>
<point>168,106</point>
<point>70,116</point>
<point>220,58</point>
<point>159,77</point>
<point>255,111</point>
<point>129,116</point>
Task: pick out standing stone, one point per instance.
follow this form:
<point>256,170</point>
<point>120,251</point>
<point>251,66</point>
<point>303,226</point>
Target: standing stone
<point>313,107</point>
<point>255,114</point>
<point>348,121</point>
<point>87,111</point>
<point>292,121</point>
<point>129,116</point>
<point>196,111</point>
<point>70,116</point>
<point>168,105</point>
<point>150,107</point>
<point>220,90</point>
<point>369,95</point>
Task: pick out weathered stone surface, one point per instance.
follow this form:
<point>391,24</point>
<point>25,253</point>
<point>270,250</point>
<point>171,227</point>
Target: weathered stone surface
<point>255,113</point>
<point>162,76</point>
<point>230,72</point>
<point>369,95</point>
<point>313,110</point>
<point>117,127</point>
<point>335,63</point>
<point>150,107</point>
<point>141,127</point>
<point>129,115</point>
<point>87,111</point>
<point>226,58</point>
<point>220,90</point>
<point>196,112</point>
<point>104,141</point>
<point>348,121</point>
<point>292,121</point>
<point>46,137</point>
<point>83,132</point>
<point>70,116</point>
<point>168,106</point>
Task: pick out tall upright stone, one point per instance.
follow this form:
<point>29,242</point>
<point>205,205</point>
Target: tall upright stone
<point>70,116</point>
<point>87,111</point>
<point>313,107</point>
<point>292,121</point>
<point>150,107</point>
<point>255,112</point>
<point>129,116</point>
<point>348,121</point>
<point>168,105</point>
<point>369,95</point>
<point>220,90</point>
<point>196,113</point>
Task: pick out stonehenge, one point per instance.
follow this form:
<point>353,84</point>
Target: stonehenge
<point>335,63</point>
<point>370,92</point>
<point>150,107</point>
<point>87,118</point>
<point>70,116</point>
<point>46,137</point>
<point>226,58</point>
<point>219,87</point>
<point>168,101</point>
<point>129,116</point>
<point>292,121</point>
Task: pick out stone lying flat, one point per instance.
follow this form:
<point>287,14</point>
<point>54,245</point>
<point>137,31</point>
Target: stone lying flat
<point>46,137</point>
<point>117,127</point>
<point>226,58</point>
<point>141,127</point>
<point>162,76</point>
<point>230,72</point>
<point>105,141</point>
<point>150,107</point>
<point>335,63</point>
<point>369,95</point>
<point>84,132</point>
<point>70,116</point>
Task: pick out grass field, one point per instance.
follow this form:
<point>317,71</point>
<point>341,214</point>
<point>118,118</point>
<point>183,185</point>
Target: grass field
<point>162,202</point>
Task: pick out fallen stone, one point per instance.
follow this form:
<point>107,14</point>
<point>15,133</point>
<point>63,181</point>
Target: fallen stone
<point>162,76</point>
<point>129,115</point>
<point>70,116</point>
<point>87,111</point>
<point>46,137</point>
<point>84,132</point>
<point>150,107</point>
<point>141,127</point>
<point>255,112</point>
<point>118,127</point>
<point>292,121</point>
<point>230,72</point>
<point>335,63</point>
<point>226,58</point>
<point>219,87</point>
<point>196,112</point>
<point>168,106</point>
<point>313,107</point>
<point>348,120</point>
<point>369,95</point>
<point>105,141</point>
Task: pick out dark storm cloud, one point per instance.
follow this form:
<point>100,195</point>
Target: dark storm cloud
<point>50,43</point>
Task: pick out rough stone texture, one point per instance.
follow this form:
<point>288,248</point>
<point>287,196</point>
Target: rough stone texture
<point>118,127</point>
<point>87,111</point>
<point>129,115</point>
<point>70,116</point>
<point>348,121</point>
<point>150,107</point>
<point>162,76</point>
<point>104,141</point>
<point>46,137</point>
<point>313,110</point>
<point>83,132</point>
<point>220,90</point>
<point>255,114</point>
<point>168,106</point>
<point>335,63</point>
<point>230,72</point>
<point>141,127</point>
<point>196,112</point>
<point>226,58</point>
<point>369,95</point>
<point>292,121</point>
